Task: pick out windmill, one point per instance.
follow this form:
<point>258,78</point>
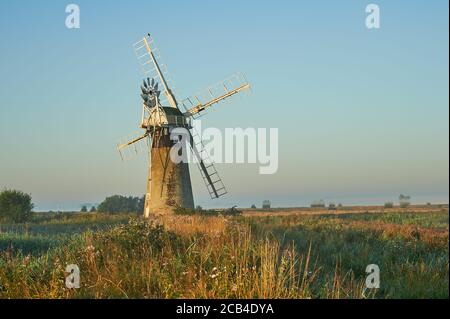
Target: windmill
<point>169,183</point>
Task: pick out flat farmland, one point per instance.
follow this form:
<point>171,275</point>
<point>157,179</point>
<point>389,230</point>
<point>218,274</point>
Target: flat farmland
<point>281,253</point>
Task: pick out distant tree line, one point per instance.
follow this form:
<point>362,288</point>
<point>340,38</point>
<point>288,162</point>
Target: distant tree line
<point>84,209</point>
<point>318,204</point>
<point>404,202</point>
<point>122,204</point>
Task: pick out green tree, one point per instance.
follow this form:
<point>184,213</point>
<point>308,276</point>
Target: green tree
<point>405,200</point>
<point>389,205</point>
<point>93,209</point>
<point>15,206</point>
<point>122,204</point>
<point>84,209</point>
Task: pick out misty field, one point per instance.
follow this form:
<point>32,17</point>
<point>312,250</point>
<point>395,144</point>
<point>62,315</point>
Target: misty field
<point>256,255</point>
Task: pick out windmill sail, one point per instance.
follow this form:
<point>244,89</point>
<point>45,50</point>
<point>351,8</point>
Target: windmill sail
<point>214,94</point>
<point>210,176</point>
<point>133,146</point>
<point>150,61</point>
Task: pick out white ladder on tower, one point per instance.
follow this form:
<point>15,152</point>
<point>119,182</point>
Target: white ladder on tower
<point>210,176</point>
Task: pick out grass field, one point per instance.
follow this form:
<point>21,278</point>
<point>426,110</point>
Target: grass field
<point>279,254</point>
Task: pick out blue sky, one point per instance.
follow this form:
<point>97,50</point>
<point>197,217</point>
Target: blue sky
<point>362,114</point>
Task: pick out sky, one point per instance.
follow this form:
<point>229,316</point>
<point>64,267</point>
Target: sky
<point>362,113</point>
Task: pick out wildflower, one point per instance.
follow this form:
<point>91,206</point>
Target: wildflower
<point>26,260</point>
<point>90,248</point>
<point>56,261</point>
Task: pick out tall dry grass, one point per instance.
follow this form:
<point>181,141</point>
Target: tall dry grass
<point>174,257</point>
<point>231,257</point>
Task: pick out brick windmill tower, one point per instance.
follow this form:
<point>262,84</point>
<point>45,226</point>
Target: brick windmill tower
<point>169,182</point>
